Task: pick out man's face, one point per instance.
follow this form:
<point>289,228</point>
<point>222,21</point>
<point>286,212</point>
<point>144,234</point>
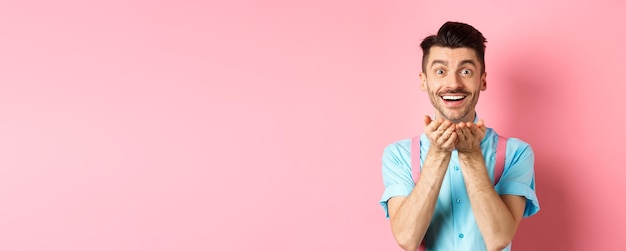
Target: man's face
<point>453,81</point>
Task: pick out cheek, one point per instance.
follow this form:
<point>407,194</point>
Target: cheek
<point>431,88</point>
<point>434,84</point>
<point>473,84</point>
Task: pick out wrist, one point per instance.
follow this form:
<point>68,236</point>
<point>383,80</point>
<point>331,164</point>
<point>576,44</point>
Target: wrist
<point>439,153</point>
<point>471,154</point>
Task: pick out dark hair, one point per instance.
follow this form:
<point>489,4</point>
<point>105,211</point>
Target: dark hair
<point>455,35</point>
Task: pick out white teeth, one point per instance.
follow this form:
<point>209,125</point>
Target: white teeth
<point>453,97</point>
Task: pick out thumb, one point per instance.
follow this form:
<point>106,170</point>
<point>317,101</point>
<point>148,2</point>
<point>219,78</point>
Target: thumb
<point>481,124</point>
<point>427,120</point>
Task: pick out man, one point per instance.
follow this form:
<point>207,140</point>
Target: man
<point>453,204</point>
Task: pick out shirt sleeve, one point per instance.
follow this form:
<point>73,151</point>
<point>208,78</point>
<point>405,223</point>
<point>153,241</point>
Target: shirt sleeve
<point>396,174</point>
<point>518,177</point>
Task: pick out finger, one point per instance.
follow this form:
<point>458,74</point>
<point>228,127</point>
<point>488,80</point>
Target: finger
<point>427,120</point>
<point>444,126</point>
<point>443,133</point>
<point>481,126</point>
<point>460,134</point>
<point>475,130</point>
<point>448,131</point>
<point>465,133</point>
<point>460,125</point>
<point>449,144</point>
<point>480,123</point>
<point>433,125</point>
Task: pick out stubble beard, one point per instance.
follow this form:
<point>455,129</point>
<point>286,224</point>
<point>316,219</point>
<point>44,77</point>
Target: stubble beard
<point>436,102</point>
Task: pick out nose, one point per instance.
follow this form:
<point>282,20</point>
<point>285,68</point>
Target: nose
<point>453,82</point>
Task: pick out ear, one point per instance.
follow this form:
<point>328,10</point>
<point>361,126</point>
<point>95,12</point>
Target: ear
<point>483,81</point>
<point>423,81</point>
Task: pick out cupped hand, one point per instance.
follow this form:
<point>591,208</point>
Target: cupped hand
<point>470,135</point>
<point>441,134</point>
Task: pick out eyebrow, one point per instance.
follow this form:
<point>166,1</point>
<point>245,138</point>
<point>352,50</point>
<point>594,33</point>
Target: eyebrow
<point>467,61</point>
<point>439,62</point>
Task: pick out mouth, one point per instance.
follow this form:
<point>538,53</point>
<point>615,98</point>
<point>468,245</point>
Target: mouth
<point>452,100</point>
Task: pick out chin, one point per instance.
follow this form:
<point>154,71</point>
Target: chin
<point>456,118</point>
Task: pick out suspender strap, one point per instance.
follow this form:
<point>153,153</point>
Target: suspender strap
<point>416,164</point>
<point>500,159</point>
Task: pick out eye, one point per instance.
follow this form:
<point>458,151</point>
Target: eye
<point>466,72</point>
<point>439,71</point>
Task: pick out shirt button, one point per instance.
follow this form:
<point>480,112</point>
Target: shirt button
<point>458,200</point>
<point>456,168</point>
<point>461,235</point>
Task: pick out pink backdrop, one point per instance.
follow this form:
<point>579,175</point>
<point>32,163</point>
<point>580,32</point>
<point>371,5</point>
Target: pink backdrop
<point>259,125</point>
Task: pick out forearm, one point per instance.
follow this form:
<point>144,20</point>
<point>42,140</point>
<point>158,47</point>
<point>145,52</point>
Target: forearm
<point>410,222</point>
<point>494,219</point>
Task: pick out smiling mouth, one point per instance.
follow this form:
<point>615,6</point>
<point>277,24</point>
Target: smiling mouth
<point>453,98</point>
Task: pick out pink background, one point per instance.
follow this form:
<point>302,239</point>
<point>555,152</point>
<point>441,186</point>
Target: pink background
<point>259,125</point>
